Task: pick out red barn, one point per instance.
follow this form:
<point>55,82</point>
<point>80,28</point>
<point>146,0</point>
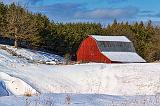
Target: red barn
<point>108,49</point>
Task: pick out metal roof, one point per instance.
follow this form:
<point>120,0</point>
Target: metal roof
<point>111,38</point>
<point>124,56</point>
<point>118,55</point>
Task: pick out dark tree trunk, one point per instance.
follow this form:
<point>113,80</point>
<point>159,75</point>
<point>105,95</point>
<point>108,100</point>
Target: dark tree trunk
<point>16,43</point>
<point>15,38</point>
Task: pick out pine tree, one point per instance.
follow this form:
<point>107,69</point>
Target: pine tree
<point>3,10</point>
<point>21,25</point>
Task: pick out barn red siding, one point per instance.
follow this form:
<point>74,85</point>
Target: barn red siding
<point>89,52</point>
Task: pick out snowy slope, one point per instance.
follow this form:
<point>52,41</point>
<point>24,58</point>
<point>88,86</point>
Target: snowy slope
<point>81,79</point>
<point>38,56</point>
<point>113,79</point>
<point>124,79</point>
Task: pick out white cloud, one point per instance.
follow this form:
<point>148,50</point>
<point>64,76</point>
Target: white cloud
<point>108,13</point>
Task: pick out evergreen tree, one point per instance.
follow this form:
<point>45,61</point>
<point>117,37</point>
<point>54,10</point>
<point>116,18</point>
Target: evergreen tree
<point>3,10</point>
<point>20,24</point>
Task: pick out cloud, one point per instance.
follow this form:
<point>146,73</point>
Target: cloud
<point>146,11</point>
<point>61,10</point>
<point>33,2</point>
<point>115,1</point>
<point>109,13</point>
<point>80,10</point>
<point>76,12</point>
<point>150,14</point>
<point>9,1</point>
<point>85,11</point>
<point>158,15</point>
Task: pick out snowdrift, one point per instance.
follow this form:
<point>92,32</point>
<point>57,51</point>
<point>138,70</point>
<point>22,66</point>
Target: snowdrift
<point>14,86</point>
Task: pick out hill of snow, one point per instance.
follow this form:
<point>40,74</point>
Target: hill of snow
<point>122,79</point>
<point>32,55</point>
<point>91,83</point>
<point>14,86</point>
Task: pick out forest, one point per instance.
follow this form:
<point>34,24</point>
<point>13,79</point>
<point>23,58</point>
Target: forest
<point>37,31</point>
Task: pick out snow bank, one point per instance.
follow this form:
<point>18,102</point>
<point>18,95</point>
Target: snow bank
<point>11,85</point>
<point>3,89</point>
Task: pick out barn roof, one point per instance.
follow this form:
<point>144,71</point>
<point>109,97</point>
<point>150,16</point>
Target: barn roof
<point>115,54</point>
<point>124,56</point>
<point>110,38</point>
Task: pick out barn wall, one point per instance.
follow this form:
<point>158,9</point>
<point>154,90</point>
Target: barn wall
<point>89,52</point>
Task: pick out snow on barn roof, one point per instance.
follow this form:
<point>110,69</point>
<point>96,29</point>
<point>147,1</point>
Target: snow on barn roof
<point>124,57</point>
<point>111,38</point>
<point>118,52</point>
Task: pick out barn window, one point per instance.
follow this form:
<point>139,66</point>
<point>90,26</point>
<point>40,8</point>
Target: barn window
<point>115,46</point>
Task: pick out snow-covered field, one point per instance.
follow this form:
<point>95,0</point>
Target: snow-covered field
<point>92,84</point>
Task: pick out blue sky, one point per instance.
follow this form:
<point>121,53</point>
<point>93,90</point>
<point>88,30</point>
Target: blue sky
<point>103,11</point>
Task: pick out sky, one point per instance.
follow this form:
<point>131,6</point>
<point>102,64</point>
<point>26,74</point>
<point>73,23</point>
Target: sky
<point>99,11</point>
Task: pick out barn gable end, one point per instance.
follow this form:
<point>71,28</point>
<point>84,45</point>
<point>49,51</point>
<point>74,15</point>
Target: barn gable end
<point>89,52</point>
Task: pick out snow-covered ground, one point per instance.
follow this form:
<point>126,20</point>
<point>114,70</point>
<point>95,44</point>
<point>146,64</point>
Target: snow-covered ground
<point>92,84</point>
<point>80,100</point>
<point>37,56</point>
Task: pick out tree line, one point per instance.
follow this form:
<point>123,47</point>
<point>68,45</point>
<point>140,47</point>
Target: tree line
<point>36,31</point>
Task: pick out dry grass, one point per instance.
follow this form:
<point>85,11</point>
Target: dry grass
<point>126,101</point>
<point>39,102</point>
<point>68,100</point>
<point>28,93</point>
